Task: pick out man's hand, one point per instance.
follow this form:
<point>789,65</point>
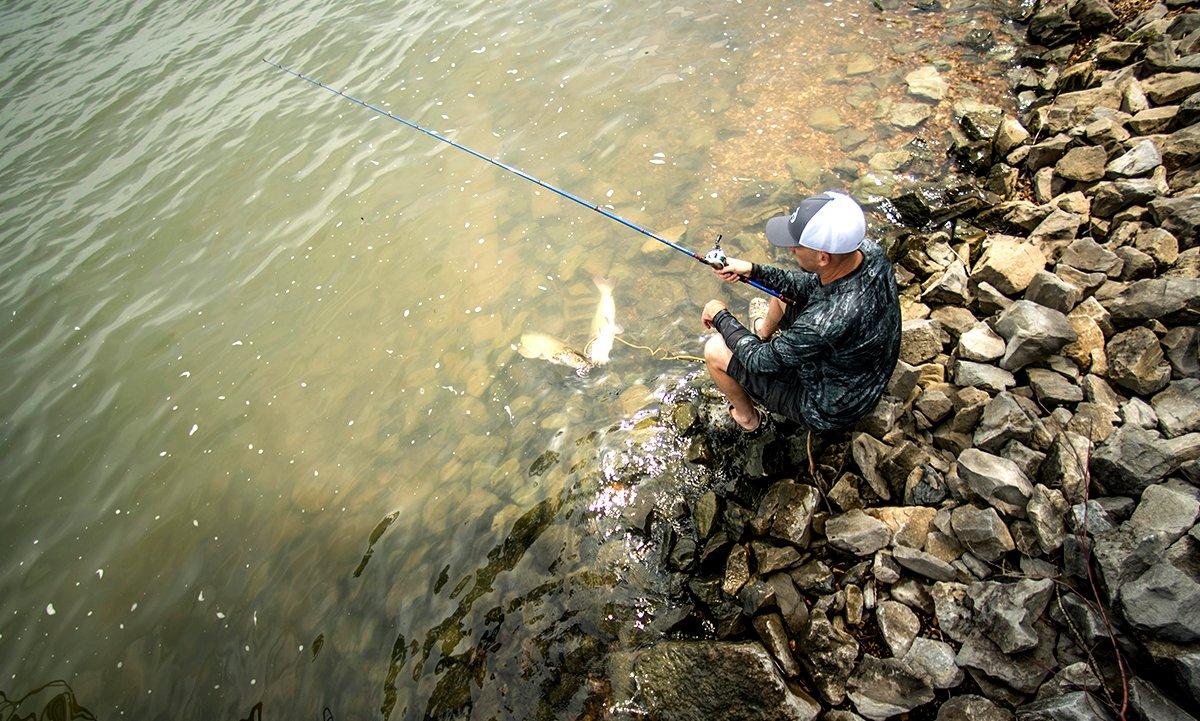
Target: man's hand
<point>734,270</point>
<point>711,308</point>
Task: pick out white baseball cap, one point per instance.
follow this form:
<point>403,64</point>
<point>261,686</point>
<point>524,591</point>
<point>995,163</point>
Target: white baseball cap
<point>831,222</point>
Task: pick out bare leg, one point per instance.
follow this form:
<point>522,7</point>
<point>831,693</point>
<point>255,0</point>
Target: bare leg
<point>716,357</point>
<point>767,326</point>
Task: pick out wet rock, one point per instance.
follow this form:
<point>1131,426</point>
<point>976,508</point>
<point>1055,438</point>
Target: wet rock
<point>882,688</point>
<point>790,602</point>
<point>786,513</point>
<point>1139,160</point>
<point>980,121</point>
<point>1133,458</point>
<point>982,532</point>
<point>1165,600</point>
<point>909,115</point>
<point>890,160</point>
<point>705,513</point>
<point>925,82</point>
<point>1052,25</point>
<point>1166,88</point>
<point>813,577</point>
<point>1008,264</point>
<point>825,119</point>
<point>769,558</point>
<point>1009,135</point>
<point>828,655</point>
<point>1178,407</point>
<point>924,564</point>
<point>933,661</point>
<point>858,533</point>
<point>1166,298</point>
<point>1008,611</point>
<point>769,628</point>
<point>972,708</point>
<point>756,596</point>
<point>1032,333</point>
<point>696,681</point>
<point>1087,255</point>
<point>1136,362</point>
<point>1092,15</point>
<point>1085,163</point>
<point>1179,216</point>
<point>737,570</point>
<point>1077,706</point>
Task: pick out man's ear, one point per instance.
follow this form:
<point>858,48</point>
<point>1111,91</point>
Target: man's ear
<point>824,258</point>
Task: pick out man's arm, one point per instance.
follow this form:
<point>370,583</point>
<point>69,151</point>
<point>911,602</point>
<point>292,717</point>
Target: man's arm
<point>787,349</point>
<point>792,284</point>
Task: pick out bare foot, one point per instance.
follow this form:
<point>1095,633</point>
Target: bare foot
<point>748,422</point>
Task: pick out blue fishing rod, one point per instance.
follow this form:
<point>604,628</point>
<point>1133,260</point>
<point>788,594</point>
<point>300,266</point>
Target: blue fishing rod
<point>714,258</point>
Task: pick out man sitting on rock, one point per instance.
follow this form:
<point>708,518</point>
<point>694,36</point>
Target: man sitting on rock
<point>824,359</point>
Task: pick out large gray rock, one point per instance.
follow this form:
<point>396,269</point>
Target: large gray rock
<point>1166,88</point>
<point>1133,458</point>
<point>703,680</point>
<point>1046,510</point>
<point>1008,264</point>
<point>1032,333</point>
<point>828,654</point>
<point>934,661</point>
<point>1165,600</point>
<point>927,83</point>
<point>1178,407</point>
<point>997,480</point>
<point>1137,161</point>
<point>856,532</point>
<point>1006,417</point>
<point>1053,389</point>
<point>954,615</point>
<point>1084,163</point>
<point>1180,216</point>
<point>1110,197</point>
<point>980,344</point>
<point>980,375</point>
<point>1087,255</point>
<point>924,564</point>
<point>883,688</point>
<point>1077,706</point>
<point>1182,346</point>
<point>1022,672</point>
<point>1008,611</point>
<point>1053,292</point>
<point>981,531</point>
<point>898,625</point>
<point>1136,361</point>
<point>1150,704</point>
<point>1169,299</point>
<point>920,340</point>
<point>1169,508</point>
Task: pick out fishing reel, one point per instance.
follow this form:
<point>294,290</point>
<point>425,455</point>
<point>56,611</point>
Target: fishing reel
<point>716,257</point>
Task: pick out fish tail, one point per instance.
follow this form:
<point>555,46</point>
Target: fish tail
<point>602,283</point>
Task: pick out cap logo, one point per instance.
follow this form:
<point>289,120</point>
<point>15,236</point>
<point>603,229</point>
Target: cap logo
<point>795,213</point>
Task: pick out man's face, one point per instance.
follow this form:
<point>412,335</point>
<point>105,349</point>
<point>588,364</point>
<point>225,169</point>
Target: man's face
<point>807,258</point>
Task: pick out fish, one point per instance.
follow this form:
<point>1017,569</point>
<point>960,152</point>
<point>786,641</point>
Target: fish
<point>604,324</point>
<point>543,347</point>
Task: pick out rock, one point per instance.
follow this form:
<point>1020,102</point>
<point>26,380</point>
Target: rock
<point>934,404</point>
<point>1077,706</point>
<point>1004,418</point>
<point>925,82</point>
<point>920,340</point>
<point>1165,600</point>
<point>1021,671</point>
<point>825,119</point>
<point>1053,389</point>
<point>1137,265</point>
<point>786,512</point>
<point>1009,135</point>
<point>910,115</point>
<point>769,628</point>
<point>1058,225</point>
<point>1138,160</point>
<point>1088,255</point>
<point>1008,611</point>
<point>1087,352</point>
<point>805,170</point>
<point>1179,216</point>
<point>1111,196</point>
<point>988,300</point>
<point>909,525</point>
<point>1049,290</point>
<point>954,616</point>
<point>1154,120</point>
<point>1166,298</point>
<point>1045,511</point>
<point>972,708</point>
<point>882,688</point>
<point>1159,245</point>
<point>1182,346</point>
<point>1182,149</point>
<point>890,160</point>
<point>1052,25</point>
<point>980,343</point>
<point>856,532</point>
<point>1169,508</point>
<point>949,286</point>
<point>698,680</point>
<point>1178,407</point>
<point>934,661</point>
<point>1032,332</point>
<point>1150,704</point>
<point>898,625</point>
<point>997,480</point>
<point>828,655</point>
<point>705,513</point>
<point>924,564</point>
<point>769,558</point>
<point>1138,412</point>
<point>1135,361</point>
<point>1008,264</point>
<point>1133,458</point>
<point>737,570</point>
<point>1166,88</point>
<point>1085,163</point>
<point>1093,15</point>
<point>869,453</point>
<point>987,377</point>
<point>982,532</point>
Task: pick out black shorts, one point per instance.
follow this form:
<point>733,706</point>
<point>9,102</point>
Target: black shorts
<point>781,393</point>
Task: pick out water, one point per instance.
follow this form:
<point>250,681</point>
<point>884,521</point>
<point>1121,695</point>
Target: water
<point>246,322</point>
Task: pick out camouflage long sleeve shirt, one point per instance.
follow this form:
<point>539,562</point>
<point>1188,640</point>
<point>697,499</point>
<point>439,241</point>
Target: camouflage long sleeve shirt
<point>842,346</point>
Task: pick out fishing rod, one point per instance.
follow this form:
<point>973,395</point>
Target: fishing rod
<point>714,258</point>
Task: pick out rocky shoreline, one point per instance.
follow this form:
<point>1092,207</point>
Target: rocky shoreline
<point>1013,531</point>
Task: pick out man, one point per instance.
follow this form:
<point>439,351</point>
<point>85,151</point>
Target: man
<point>825,359</point>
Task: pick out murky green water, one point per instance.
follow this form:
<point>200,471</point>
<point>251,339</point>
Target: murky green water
<point>244,321</point>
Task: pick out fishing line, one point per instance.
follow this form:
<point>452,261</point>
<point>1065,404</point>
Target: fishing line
<point>715,258</point>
